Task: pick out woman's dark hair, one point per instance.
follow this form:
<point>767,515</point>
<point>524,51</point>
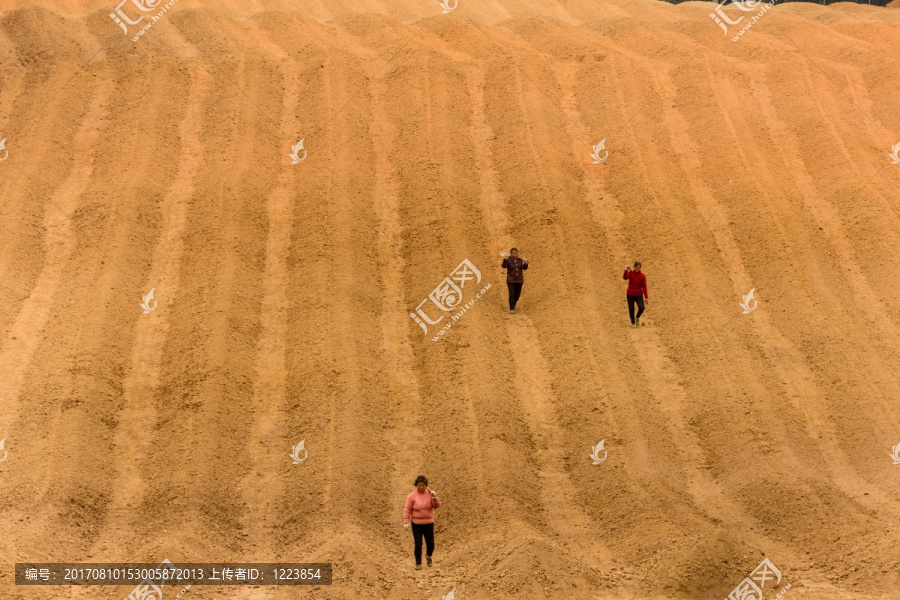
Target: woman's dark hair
<point>637,263</point>
<point>421,478</point>
<point>513,249</point>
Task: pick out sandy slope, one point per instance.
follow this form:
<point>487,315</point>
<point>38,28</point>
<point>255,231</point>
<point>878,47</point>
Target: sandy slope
<point>284,294</point>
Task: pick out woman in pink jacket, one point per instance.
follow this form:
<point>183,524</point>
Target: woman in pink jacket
<point>419,511</point>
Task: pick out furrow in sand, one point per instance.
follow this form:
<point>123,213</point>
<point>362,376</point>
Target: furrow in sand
<point>783,357</point>
<point>407,437</point>
<point>494,217</point>
<point>652,441</point>
<point>60,241</point>
<point>439,225</point>
<point>331,459</point>
<point>14,209</point>
<point>820,425</point>
<point>533,379</point>
<point>666,453</point>
<point>649,350</point>
<point>207,368</point>
<point>136,433</point>
<point>559,496</point>
<point>267,444</point>
<point>310,370</point>
<point>336,289</point>
<point>798,386</point>
<point>42,245</point>
<point>281,310</point>
<point>828,216</point>
<point>641,208</point>
<point>417,447</point>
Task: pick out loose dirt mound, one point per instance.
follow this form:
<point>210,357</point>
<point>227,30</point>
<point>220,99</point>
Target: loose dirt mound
<point>284,293</point>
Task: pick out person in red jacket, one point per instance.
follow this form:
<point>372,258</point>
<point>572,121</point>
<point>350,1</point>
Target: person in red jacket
<point>514,276</point>
<point>637,292</point>
<point>419,511</point>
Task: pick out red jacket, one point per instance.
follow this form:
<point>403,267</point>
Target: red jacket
<point>637,284</point>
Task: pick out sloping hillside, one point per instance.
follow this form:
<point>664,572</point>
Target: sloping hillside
<point>283,293</point>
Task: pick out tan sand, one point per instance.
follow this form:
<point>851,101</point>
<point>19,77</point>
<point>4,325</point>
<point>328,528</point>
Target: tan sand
<point>284,294</point>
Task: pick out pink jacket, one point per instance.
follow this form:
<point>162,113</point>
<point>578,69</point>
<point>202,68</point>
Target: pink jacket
<point>420,508</point>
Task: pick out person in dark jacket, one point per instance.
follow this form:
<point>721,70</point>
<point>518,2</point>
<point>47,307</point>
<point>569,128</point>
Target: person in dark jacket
<point>514,277</point>
<point>637,292</point>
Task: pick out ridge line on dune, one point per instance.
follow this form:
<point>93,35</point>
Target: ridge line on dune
<point>151,334</point>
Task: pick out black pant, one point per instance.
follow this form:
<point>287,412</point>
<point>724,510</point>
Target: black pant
<point>515,290</point>
<point>426,530</point>
<point>632,300</point>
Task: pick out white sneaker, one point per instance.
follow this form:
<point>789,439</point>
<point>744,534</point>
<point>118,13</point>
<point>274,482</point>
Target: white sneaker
<point>634,325</point>
<point>512,310</point>
<point>638,322</point>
